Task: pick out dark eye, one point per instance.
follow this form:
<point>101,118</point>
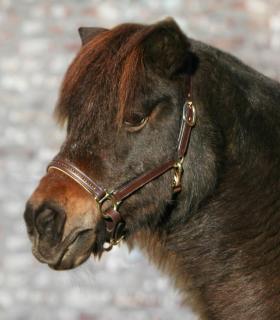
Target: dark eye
<point>135,122</point>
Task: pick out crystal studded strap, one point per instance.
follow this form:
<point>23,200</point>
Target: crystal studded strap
<point>76,174</point>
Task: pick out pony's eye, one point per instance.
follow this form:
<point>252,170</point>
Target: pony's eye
<point>135,122</point>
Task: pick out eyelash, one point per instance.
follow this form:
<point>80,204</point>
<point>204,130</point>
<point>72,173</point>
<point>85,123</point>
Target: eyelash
<point>138,120</point>
<point>133,126</point>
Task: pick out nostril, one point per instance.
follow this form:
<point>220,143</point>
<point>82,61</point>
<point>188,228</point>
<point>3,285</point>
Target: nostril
<point>45,220</point>
<point>49,223</point>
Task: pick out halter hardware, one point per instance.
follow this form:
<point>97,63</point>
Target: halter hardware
<point>108,197</point>
<point>178,174</point>
<point>115,224</point>
<point>191,120</point>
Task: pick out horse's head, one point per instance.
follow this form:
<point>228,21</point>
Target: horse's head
<point>122,100</point>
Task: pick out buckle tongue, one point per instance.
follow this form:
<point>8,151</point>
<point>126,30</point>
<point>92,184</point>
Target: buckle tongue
<point>177,179</point>
<point>189,113</point>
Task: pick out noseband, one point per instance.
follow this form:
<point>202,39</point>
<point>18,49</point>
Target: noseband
<point>115,224</point>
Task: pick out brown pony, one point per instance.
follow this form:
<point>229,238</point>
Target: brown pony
<point>122,100</point>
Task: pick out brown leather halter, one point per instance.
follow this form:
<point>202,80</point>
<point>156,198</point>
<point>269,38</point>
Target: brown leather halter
<point>115,224</point>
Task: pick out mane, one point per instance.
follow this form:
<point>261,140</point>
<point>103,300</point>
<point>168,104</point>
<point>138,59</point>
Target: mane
<point>105,74</point>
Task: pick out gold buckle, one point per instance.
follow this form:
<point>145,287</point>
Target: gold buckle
<point>191,120</point>
<point>177,179</point>
<point>108,196</point>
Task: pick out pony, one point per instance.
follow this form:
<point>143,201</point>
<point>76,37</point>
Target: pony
<point>210,218</point>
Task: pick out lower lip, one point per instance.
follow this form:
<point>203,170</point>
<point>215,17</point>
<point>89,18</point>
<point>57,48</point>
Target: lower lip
<point>67,260</point>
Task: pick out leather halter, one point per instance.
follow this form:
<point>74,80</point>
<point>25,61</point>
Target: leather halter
<point>114,222</point>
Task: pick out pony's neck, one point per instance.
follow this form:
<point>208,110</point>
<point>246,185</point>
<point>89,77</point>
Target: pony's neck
<point>227,251</point>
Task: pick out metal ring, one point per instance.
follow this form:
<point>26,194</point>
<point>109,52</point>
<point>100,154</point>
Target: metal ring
<point>191,120</point>
<point>112,243</point>
<point>108,196</point>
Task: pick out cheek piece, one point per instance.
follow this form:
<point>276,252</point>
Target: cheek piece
<point>115,224</point>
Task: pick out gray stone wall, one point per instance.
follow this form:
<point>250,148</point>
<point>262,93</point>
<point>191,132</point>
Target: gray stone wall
<point>38,40</point>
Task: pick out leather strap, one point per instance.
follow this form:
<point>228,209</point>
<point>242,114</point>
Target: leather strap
<point>127,189</point>
<point>114,223</point>
<point>76,174</point>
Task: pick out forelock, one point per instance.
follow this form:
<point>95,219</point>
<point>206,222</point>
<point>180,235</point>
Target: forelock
<point>105,75</point>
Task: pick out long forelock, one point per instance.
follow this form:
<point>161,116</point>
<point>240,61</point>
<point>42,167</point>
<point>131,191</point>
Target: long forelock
<point>107,71</point>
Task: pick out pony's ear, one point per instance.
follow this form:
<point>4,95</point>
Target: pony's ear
<point>88,33</point>
<point>167,49</point>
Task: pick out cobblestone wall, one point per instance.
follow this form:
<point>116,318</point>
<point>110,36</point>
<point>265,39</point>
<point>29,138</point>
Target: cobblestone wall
<point>38,39</point>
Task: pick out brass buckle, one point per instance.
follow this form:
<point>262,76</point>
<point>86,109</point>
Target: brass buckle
<point>177,179</point>
<point>190,119</point>
<point>108,196</point>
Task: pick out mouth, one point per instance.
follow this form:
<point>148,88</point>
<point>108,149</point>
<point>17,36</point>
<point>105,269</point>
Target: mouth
<point>72,252</point>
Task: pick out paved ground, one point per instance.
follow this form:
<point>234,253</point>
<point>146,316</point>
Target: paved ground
<point>38,40</point>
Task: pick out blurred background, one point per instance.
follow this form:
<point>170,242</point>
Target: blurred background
<point>38,40</point>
